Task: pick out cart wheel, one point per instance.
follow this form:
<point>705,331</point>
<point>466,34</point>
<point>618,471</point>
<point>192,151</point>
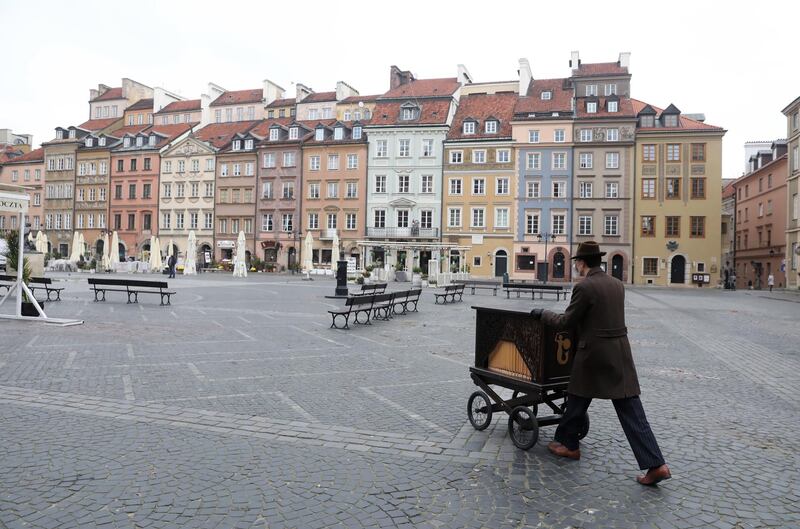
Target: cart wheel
<point>584,428</point>
<point>523,427</point>
<point>479,410</point>
<point>534,407</point>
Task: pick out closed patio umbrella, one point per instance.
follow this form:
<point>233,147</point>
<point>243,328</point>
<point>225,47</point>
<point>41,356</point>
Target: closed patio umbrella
<point>239,261</point>
<point>308,249</point>
<point>114,250</point>
<point>190,266</point>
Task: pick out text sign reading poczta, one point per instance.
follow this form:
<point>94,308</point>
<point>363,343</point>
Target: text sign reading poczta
<point>13,205</point>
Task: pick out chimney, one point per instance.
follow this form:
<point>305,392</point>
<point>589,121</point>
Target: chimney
<point>525,76</point>
<point>463,76</point>
<point>624,59</point>
<point>271,92</point>
<point>344,90</point>
<point>301,92</point>
<point>205,110</point>
<point>575,60</point>
<point>398,77</point>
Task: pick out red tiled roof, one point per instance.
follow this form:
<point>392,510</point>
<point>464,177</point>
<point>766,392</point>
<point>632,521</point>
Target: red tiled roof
<point>598,69</point>
<point>356,99</point>
<point>141,104</point>
<point>480,107</point>
<point>236,97</point>
<point>36,155</point>
<point>10,153</point>
<point>625,108</point>
<point>97,124</point>
<point>424,88</point>
<point>130,129</point>
<point>684,122</point>
<point>432,112</point>
<point>319,97</point>
<point>560,101</point>
<point>282,103</point>
<point>181,106</point>
<point>220,134</point>
<point>262,129</point>
<point>729,189</point>
<point>111,93</point>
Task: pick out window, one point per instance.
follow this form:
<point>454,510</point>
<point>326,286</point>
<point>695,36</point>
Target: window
<point>350,221</point>
<point>380,183</point>
<point>409,113</point>
<point>146,190</point>
<point>478,186</point>
<point>501,186</point>
<point>313,163</point>
<point>613,106</point>
<point>585,190</point>
<point>426,219</point>
<point>491,127</point>
<point>612,189</point>
<point>382,148</point>
<point>558,136</point>
<point>352,161</point>
<point>405,148</point>
<point>333,162</point>
<point>287,222</point>
<point>131,221</point>
<point>402,218</point>
<point>38,173</point>
<point>223,170</point>
<point>379,218</point>
<point>503,155</point>
<point>118,192</point>
<point>698,227</point>
<point>454,217</point>
<point>237,169</point>
<point>403,183</point>
<point>586,135</point>
<point>78,222</point>
<point>611,223</point>
<point>649,188</point>
<point>559,223</point>
<point>673,152</point>
<point>117,221</point>
<point>133,164</point>
<point>476,260</point>
<point>670,120</point>
<point>591,107</point>
<point>478,218</point>
<point>673,188</point>
<point>501,218</point>
<point>179,217</point>
<point>478,156</point>
<point>698,152</point>
<point>223,225</point>
<point>266,222</point>
<point>559,160</point>
<point>650,266</point>
<point>294,132</point>
<point>547,95</point>
<point>313,190</point>
<point>672,226</point>
<point>313,221</point>
<point>456,156</point>
<point>584,225</point>
<point>427,183</point>
<point>266,190</point>
<point>319,134</point>
<point>531,223</point>
<point>356,133</point>
<point>288,159</point>
<point>181,166</point>
<point>610,89</point>
<point>534,160</point>
<point>533,136</point>
<point>649,153</point>
<point>132,191</point>
<point>352,190</point>
<point>612,134</point>
<point>533,190</point>
<point>698,188</point>
<point>209,189</point>
<point>612,160</point>
<point>268,159</point>
<point>195,165</point>
<point>559,189</point>
<point>288,190</point>
<point>585,160</point>
<point>455,186</point>
<point>333,190</point>
<point>648,228</point>
<point>249,169</point>
<point>591,90</point>
<point>469,127</point>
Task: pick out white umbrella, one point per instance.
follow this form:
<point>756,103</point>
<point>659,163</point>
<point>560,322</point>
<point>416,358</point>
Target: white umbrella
<point>170,248</point>
<point>308,248</point>
<point>190,266</point>
<point>153,251</point>
<point>114,250</point>
<point>40,246</point>
<point>335,251</point>
<point>106,252</point>
<point>239,261</point>
<point>46,242</point>
<point>76,240</point>
<point>159,264</point>
<point>81,245</point>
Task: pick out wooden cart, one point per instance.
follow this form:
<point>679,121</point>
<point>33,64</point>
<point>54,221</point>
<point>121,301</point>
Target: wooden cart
<point>517,352</point>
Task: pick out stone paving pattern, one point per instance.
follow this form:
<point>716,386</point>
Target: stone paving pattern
<point>238,407</point>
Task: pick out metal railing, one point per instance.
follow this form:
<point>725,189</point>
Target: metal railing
<point>405,233</point>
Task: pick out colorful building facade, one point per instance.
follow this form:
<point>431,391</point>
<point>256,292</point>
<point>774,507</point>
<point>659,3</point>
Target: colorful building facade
<point>792,256</point>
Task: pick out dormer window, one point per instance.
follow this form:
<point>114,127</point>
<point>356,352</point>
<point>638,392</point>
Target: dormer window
<point>139,141</point>
<point>547,95</point>
<point>469,127</point>
<point>72,133</point>
<point>293,133</point>
<point>59,134</point>
<point>89,142</point>
<point>591,107</point>
<point>126,142</point>
<point>319,134</point>
<point>237,145</point>
<point>151,140</point>
<point>591,90</point>
<point>613,106</point>
<point>409,112</point>
<point>248,145</point>
<point>647,122</point>
<point>491,127</point>
<point>356,133</point>
<point>274,134</point>
<point>338,133</point>
<point>671,120</point>
<point>102,141</point>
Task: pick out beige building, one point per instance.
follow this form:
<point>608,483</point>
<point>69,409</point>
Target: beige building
<point>106,102</point>
<point>321,105</point>
<point>59,157</point>
<point>792,113</point>
<point>26,170</point>
<point>92,180</point>
<point>243,105</point>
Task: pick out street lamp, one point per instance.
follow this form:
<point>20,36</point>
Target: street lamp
<point>546,237</point>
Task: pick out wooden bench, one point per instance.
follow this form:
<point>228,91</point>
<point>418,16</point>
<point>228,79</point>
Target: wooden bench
<point>383,305</point>
<point>7,281</point>
<point>132,287</point>
<point>450,291</point>
<point>354,306</point>
<point>533,288</point>
<point>403,299</point>
<point>473,284</point>
<point>46,282</point>
<point>374,288</point>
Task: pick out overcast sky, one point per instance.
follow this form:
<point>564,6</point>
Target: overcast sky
<point>702,56</point>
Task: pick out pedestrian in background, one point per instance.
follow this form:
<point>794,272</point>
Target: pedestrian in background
<point>171,264</point>
<point>771,281</point>
<point>733,281</point>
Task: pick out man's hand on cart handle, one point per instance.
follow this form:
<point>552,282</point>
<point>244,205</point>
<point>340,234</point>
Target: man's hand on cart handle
<point>537,314</point>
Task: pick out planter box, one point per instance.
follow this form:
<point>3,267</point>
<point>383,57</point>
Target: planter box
<point>29,310</point>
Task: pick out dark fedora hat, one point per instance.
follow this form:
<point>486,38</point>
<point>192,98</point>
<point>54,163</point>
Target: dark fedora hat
<point>588,249</point>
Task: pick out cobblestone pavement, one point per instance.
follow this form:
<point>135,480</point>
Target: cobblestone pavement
<point>238,407</point>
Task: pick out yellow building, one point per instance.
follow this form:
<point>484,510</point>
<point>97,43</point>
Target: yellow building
<point>678,186</point>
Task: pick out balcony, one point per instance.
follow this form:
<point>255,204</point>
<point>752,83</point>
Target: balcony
<point>403,233</point>
<point>327,234</point>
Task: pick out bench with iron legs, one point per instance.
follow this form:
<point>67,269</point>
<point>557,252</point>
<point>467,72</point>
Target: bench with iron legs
<point>402,301</point>
<point>384,305</point>
<point>7,282</point>
<point>45,282</point>
<point>473,284</point>
<point>374,288</point>
<point>355,306</point>
<point>132,287</point>
<point>533,288</point>
<point>450,291</point>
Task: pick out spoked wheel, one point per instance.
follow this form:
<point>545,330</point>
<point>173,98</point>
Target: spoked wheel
<point>584,427</point>
<point>523,427</point>
<point>534,407</point>
<point>479,410</point>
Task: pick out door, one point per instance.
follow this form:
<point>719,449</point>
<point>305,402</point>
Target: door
<point>500,263</point>
<point>541,271</point>
<point>616,266</point>
<point>678,271</point>
<point>558,265</point>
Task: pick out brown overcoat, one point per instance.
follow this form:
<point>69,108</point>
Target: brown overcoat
<point>603,367</point>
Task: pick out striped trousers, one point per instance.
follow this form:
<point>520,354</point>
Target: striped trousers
<point>632,418</point>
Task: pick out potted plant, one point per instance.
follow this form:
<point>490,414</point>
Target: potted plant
<point>416,277</point>
<point>12,263</point>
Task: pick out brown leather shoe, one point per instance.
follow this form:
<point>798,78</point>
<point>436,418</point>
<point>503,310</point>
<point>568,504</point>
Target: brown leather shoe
<point>655,475</point>
<point>562,451</point>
